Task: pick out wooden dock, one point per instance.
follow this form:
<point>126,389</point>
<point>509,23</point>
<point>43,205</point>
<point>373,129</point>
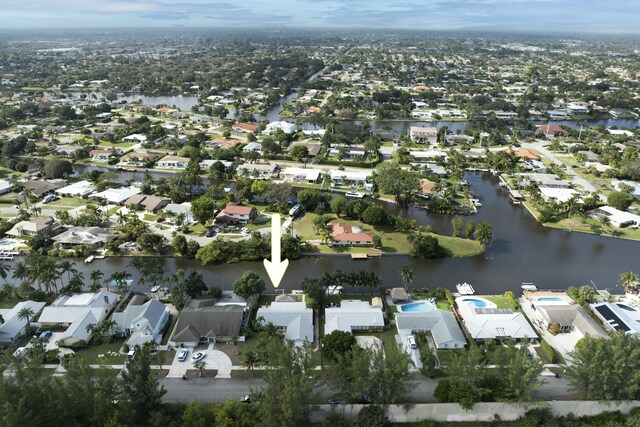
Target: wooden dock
<point>359,256</point>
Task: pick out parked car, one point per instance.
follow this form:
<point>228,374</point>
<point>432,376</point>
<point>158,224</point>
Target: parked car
<point>49,198</point>
<point>364,400</point>
<point>45,335</point>
<point>246,398</point>
<point>20,352</point>
<point>198,357</point>
<point>245,230</point>
<point>412,341</point>
<point>210,233</point>
<point>336,402</point>
<point>182,356</point>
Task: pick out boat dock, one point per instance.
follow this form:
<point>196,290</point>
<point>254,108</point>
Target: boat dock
<point>516,197</point>
<point>366,255</point>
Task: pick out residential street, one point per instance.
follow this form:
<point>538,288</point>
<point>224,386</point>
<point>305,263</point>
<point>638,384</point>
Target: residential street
<point>219,390</point>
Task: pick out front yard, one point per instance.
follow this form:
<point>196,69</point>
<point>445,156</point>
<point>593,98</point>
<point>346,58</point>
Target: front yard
<point>102,354</point>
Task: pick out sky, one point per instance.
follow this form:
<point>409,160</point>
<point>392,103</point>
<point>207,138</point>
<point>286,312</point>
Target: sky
<point>546,16</point>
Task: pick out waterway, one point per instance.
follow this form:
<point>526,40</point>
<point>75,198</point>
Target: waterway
<point>523,251</point>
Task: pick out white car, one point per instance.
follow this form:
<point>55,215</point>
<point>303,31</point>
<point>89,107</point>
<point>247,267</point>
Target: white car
<point>245,230</point>
<point>412,341</point>
<point>198,357</point>
<point>20,352</point>
<point>182,356</point>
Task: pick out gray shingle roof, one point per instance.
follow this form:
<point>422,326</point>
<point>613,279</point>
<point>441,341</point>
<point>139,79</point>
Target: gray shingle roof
<point>216,321</point>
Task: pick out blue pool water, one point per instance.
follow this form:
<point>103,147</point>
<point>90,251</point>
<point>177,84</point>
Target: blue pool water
<point>415,306</point>
<point>549,299</point>
<point>478,303</point>
<point>6,243</point>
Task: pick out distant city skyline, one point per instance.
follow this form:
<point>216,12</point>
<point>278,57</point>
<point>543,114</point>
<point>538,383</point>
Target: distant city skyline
<point>558,16</point>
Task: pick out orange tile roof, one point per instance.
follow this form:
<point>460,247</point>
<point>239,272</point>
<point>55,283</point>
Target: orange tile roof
<point>238,210</point>
<point>246,126</point>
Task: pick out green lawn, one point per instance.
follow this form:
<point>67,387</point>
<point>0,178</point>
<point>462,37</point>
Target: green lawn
<point>500,301</point>
<point>8,302</point>
<point>388,338</point>
<point>150,217</point>
<point>90,354</point>
<point>593,226</point>
<point>68,202</point>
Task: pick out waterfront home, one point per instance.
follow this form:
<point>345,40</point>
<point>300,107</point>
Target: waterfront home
<point>557,309</point>
<point>116,196</point>
<point>353,315</point>
<point>138,158</point>
<point>347,153</point>
<point>257,171</point>
<point>76,312</point>
<point>311,176</point>
<point>40,225</point>
<point>423,134</point>
<point>552,131</point>
<point>207,163</point>
<point>431,155</point>
<point>94,237</point>
<point>546,180</point>
<point>294,319</point>
<point>618,316</point>
<point>398,295</point>
<point>150,204</point>
<point>5,186</point>
<point>506,115</point>
<point>349,177</point>
<point>141,321</point>
<point>578,108</point>
<point>286,127</point>
<point>100,155</point>
<point>78,189</point>
<point>245,127</point>
<point>617,218</point>
<point>233,214</point>
<point>182,208</point>
<point>484,320</point>
<point>13,326</point>
<point>558,195</point>
<point>223,143</point>
<point>440,324</point>
<point>201,321</point>
<point>346,235</point>
<point>173,162</point>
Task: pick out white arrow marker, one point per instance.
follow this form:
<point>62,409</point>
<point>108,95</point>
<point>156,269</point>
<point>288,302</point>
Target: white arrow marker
<point>275,268</point>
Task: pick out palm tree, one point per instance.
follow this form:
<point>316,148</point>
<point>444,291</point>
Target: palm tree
<point>406,275</point>
<point>630,281</point>
<point>4,271</point>
<point>96,276</point>
<point>605,220</point>
<point>26,314</point>
<point>250,359</point>
<point>200,366</point>
<point>20,271</point>
<point>120,279</point>
<point>67,267</point>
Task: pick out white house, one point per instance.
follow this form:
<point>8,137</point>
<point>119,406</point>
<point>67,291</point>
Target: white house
<point>5,186</point>
<point>353,315</point>
<point>423,133</point>
<point>254,147</point>
<point>286,127</point>
<point>117,196</point>
<point>442,326</point>
<point>295,319</point>
<point>257,171</point>
<point>618,316</point>
<point>77,189</point>
<point>485,321</point>
<point>560,195</point>
<point>617,218</point>
<point>173,162</point>
<point>577,108</point>
<point>77,312</point>
<point>635,187</point>
<point>349,177</point>
<point>100,155</point>
<point>13,327</point>
<point>136,137</point>
<point>142,321</point>
<point>311,176</point>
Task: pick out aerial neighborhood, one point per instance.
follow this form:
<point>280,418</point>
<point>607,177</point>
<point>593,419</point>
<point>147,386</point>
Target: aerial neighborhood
<point>460,218</point>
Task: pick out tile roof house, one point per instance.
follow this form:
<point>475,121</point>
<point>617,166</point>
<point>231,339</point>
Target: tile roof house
<point>142,321</point>
<point>13,327</point>
<point>423,133</point>
<point>491,322</point>
<point>295,319</point>
<point>151,204</point>
<point>40,188</point>
<point>77,311</point>
<point>237,214</point>
<point>441,324</point>
<point>137,158</point>
<point>245,127</point>
<point>353,315</point>
<point>206,322</point>
<point>343,234</point>
<point>95,237</point>
<point>223,143</point>
<point>173,162</point>
<point>40,225</point>
<point>551,131</point>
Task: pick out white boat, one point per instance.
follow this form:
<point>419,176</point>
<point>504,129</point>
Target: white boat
<point>529,287</point>
<point>89,259</point>
<point>465,289</point>
<point>476,202</point>
<point>356,195</point>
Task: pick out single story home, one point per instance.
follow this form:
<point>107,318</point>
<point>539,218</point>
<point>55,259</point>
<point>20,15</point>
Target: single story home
<point>552,131</point>
<point>257,171</point>
<point>100,155</point>
<point>237,214</point>
<point>142,321</point>
<point>312,148</point>
<point>346,235</point>
<point>202,321</point>
<point>39,225</point>
<point>294,319</point>
<point>222,143</point>
<point>485,321</point>
<point>569,317</point>
<point>150,204</point>
<point>116,196</point>
<point>173,162</point>
<point>286,127</point>
<point>206,164</point>
<point>138,158</point>
<point>135,138</point>
<point>40,188</point>
<point>76,312</point>
<point>13,326</point>
<point>182,208</point>
<point>423,133</point>
<point>311,176</point>
<point>618,316</point>
<point>441,324</point>
<point>253,147</point>
<point>635,187</point>
<point>79,189</point>
<point>559,195</point>
<point>353,315</point>
<point>349,177</point>
<point>5,186</point>
<point>617,218</point>
<point>245,127</point>
<point>94,237</point>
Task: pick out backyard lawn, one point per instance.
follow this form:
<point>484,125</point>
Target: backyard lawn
<point>68,202</point>
<point>8,302</point>
<point>91,354</point>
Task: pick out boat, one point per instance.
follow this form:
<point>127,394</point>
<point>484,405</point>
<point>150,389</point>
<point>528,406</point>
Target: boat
<point>89,259</point>
<point>465,289</point>
<point>528,286</point>
<point>476,202</point>
<point>355,195</point>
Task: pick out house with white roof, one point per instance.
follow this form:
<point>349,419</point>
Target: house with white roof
<point>117,196</point>
<point>617,218</point>
<point>312,176</point>
<point>173,162</point>
<point>294,319</point>
<point>484,320</point>
<point>635,187</point>
<point>353,315</point>
<point>286,127</point>
<point>77,189</point>
<point>141,321</point>
<point>13,327</point>
<point>76,312</point>
<point>136,137</point>
<point>5,186</point>
<point>423,133</point>
<point>254,147</point>
<point>349,177</point>
<point>559,195</point>
<point>440,324</point>
<point>618,316</point>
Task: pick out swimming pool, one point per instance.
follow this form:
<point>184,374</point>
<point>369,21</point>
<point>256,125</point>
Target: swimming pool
<point>4,242</point>
<point>477,302</point>
<point>549,299</point>
<point>415,306</point>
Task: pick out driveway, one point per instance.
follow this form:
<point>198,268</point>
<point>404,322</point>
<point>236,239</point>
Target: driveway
<point>215,360</point>
<point>403,341</point>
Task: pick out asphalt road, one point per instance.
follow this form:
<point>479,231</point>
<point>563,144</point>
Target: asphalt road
<point>220,390</point>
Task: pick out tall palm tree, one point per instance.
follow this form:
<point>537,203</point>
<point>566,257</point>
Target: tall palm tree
<point>120,279</point>
<point>67,267</point>
<point>630,280</point>
<point>406,275</point>
<point>26,314</point>
<point>20,271</point>
<point>4,272</point>
<point>96,277</point>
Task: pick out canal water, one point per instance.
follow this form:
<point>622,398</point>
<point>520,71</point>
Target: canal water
<point>523,251</point>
